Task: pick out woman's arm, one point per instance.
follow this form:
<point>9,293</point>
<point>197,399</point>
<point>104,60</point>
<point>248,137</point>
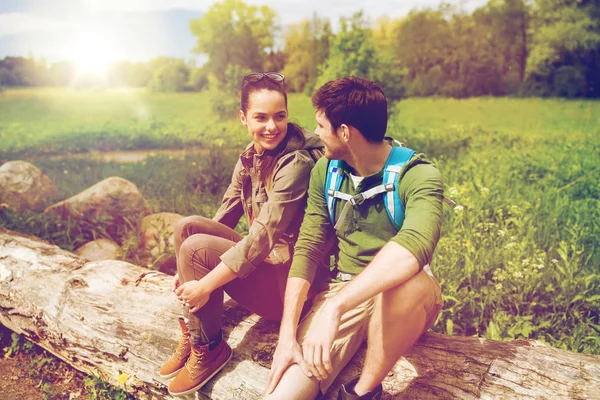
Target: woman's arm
<point>286,202</point>
<point>231,208</point>
<point>195,294</point>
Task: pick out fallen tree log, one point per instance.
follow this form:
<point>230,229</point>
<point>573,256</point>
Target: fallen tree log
<point>110,317</point>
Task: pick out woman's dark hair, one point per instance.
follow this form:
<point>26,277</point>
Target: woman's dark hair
<point>294,132</point>
<point>249,87</point>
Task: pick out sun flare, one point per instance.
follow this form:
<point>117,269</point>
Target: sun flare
<point>93,50</point>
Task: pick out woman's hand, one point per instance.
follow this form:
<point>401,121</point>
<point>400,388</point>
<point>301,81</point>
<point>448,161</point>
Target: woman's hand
<point>175,283</point>
<point>193,295</point>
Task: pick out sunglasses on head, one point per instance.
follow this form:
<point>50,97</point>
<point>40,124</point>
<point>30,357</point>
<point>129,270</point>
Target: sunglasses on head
<point>257,76</point>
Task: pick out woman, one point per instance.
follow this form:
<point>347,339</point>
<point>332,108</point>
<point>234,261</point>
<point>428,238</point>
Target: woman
<point>268,186</point>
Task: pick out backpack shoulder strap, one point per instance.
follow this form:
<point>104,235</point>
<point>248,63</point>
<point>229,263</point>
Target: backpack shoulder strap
<point>395,162</point>
<point>333,182</point>
<point>315,153</point>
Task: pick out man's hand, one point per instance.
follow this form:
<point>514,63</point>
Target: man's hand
<point>288,352</point>
<point>319,340</point>
<point>193,295</point>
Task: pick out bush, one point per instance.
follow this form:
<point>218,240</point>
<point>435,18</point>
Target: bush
<point>569,82</point>
<point>225,94</point>
<point>172,77</point>
<point>428,84</point>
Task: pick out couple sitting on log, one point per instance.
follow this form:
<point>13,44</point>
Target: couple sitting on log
<point>337,249</point>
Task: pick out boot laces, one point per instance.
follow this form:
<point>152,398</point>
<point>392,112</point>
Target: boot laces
<point>183,343</point>
<point>196,358</point>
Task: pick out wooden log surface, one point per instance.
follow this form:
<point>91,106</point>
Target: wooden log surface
<point>110,317</point>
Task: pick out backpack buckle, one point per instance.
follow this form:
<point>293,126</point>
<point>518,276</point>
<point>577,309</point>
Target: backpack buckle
<point>357,200</point>
<point>389,187</point>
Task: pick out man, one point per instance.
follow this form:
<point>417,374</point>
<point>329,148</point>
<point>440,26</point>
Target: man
<point>381,288</point>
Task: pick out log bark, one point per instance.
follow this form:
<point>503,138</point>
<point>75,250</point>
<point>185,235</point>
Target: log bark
<point>111,317</point>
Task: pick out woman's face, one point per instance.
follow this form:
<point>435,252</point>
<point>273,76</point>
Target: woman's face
<point>266,119</point>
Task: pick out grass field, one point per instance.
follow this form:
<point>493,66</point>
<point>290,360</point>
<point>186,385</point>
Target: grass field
<point>518,258</point>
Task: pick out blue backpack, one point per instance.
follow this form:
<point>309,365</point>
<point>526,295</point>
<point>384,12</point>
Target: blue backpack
<point>393,205</point>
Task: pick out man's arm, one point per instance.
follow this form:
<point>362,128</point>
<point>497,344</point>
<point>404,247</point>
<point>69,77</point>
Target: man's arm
<point>392,266</point>
<point>397,262</point>
<point>288,351</point>
<point>412,248</point>
<point>295,296</point>
<point>308,253</point>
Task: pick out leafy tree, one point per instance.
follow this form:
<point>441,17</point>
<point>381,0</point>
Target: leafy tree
<point>23,71</point>
<point>225,92</point>
<point>234,33</point>
<point>389,73</point>
<point>352,51</point>
<point>62,73</point>
<point>198,80</point>
<point>306,49</point>
<point>126,73</point>
<point>565,33</point>
<point>424,41</point>
<point>274,61</point>
<point>509,23</point>
<point>172,77</point>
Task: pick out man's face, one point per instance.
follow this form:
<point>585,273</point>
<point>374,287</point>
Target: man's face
<point>335,149</point>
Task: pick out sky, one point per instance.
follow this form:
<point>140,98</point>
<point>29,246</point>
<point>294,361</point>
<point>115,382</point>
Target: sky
<point>97,31</point>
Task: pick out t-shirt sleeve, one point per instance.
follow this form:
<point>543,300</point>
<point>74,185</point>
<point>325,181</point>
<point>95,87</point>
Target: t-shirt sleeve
<point>316,230</point>
<point>422,192</point>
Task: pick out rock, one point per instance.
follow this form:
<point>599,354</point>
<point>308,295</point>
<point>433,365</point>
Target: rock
<point>23,186</point>
<point>99,250</point>
<point>157,240</point>
<point>113,197</point>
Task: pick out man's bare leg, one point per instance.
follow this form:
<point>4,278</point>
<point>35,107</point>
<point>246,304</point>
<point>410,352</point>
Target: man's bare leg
<point>397,322</point>
<point>294,385</point>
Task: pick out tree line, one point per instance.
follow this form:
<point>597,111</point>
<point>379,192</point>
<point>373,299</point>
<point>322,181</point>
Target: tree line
<point>507,47</point>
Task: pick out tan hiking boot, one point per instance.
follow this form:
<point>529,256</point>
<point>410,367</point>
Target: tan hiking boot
<point>181,355</point>
<point>202,365</point>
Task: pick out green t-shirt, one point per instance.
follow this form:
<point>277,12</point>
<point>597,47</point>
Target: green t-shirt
<point>367,227</point>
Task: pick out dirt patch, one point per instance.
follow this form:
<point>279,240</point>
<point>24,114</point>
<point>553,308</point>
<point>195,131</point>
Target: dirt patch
<point>25,378</point>
<point>28,372</point>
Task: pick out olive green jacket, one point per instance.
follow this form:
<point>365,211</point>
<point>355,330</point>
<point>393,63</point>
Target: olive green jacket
<point>275,216</point>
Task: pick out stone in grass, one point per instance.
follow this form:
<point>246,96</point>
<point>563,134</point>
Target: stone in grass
<point>157,239</point>
<point>100,250</point>
<point>113,197</point>
<point>23,186</point>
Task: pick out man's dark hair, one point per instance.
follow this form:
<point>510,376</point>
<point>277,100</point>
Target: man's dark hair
<point>354,101</point>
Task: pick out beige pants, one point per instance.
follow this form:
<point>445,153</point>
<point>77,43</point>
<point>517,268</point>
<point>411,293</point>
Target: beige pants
<point>354,325</point>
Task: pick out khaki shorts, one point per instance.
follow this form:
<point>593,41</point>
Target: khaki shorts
<point>355,323</point>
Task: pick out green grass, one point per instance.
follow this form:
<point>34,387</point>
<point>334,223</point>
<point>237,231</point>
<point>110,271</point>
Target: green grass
<point>70,120</point>
<point>519,257</point>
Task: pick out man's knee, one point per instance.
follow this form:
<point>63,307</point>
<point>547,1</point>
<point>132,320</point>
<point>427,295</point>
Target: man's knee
<point>406,298</point>
<point>294,385</point>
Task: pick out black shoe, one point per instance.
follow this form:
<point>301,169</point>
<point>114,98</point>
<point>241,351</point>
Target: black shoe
<point>347,391</point>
